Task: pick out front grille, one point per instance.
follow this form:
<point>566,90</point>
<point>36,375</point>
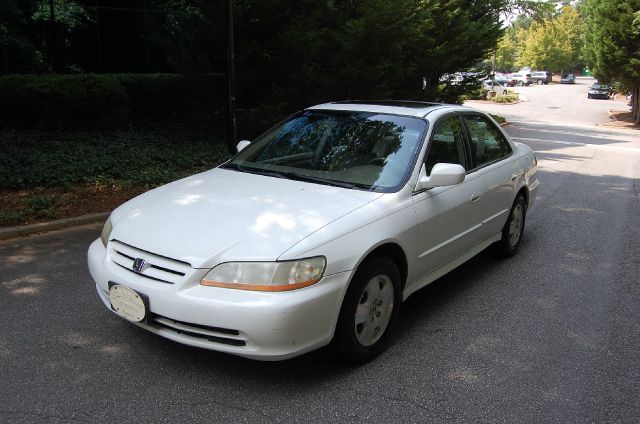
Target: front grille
<point>157,268</point>
<point>213,334</point>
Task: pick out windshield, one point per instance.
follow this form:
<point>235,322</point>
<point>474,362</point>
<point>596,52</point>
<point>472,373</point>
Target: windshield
<point>360,150</point>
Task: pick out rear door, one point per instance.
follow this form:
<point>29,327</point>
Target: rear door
<point>492,173</point>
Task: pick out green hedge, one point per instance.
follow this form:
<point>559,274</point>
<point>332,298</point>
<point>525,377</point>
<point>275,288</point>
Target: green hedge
<point>104,101</point>
<point>61,101</point>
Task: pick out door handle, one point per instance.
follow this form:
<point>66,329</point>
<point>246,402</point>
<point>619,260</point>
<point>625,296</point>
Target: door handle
<point>514,177</point>
<point>475,197</point>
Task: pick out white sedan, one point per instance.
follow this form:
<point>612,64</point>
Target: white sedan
<point>497,86</point>
<point>316,231</point>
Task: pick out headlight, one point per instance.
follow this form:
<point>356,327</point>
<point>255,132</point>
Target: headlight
<point>266,276</point>
<point>106,232</point>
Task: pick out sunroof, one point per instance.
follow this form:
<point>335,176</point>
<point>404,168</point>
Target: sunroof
<point>398,103</point>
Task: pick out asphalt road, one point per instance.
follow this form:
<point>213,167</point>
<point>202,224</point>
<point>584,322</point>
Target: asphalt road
<point>549,336</point>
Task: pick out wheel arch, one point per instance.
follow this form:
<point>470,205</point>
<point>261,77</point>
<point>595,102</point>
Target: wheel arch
<point>524,192</point>
<point>394,252</point>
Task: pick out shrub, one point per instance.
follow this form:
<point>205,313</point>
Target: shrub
<point>506,98</point>
<point>9,218</point>
<point>499,119</point>
<point>40,205</point>
<point>61,101</point>
<point>161,97</point>
<point>107,101</point>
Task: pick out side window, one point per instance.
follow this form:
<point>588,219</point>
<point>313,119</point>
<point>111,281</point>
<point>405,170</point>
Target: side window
<point>447,144</point>
<point>487,142</point>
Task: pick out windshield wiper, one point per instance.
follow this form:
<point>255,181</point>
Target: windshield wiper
<point>235,166</point>
<point>325,181</point>
<point>294,176</point>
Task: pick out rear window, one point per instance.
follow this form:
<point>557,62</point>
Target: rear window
<point>487,142</point>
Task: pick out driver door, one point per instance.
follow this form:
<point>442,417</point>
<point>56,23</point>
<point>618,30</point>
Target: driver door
<point>446,217</point>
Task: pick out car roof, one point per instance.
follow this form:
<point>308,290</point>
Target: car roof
<point>391,107</point>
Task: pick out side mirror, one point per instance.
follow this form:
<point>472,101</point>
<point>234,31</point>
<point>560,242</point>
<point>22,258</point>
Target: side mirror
<point>442,174</point>
<point>242,144</point>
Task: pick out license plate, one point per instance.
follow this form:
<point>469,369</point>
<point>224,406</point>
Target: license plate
<point>127,303</point>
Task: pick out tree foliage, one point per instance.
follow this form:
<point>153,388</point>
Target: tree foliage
<point>612,42</point>
<point>15,40</point>
<point>553,43</point>
<point>288,53</point>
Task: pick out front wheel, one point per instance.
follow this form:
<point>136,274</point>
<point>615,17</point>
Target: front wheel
<point>369,310</point>
<point>520,83</point>
<point>539,82</point>
<point>513,228</point>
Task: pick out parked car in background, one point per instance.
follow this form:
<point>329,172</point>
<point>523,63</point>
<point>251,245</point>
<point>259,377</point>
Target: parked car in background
<point>459,77</point>
<point>521,79</point>
<point>503,79</point>
<point>598,91</point>
<point>498,87</point>
<point>568,79</point>
<point>316,231</point>
<point>541,77</point>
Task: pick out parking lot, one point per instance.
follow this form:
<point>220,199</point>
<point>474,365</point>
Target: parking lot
<point>565,104</point>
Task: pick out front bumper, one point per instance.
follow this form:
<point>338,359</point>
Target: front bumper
<point>257,325</point>
<point>598,95</point>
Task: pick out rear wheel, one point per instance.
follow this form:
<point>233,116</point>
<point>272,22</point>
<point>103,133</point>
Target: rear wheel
<point>513,228</point>
<point>369,310</point>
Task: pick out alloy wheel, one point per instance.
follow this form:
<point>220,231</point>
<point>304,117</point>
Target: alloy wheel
<point>515,228</point>
<point>374,310</point>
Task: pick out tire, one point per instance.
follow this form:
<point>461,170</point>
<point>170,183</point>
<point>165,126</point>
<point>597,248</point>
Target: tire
<point>513,229</point>
<point>369,310</point>
<point>520,83</point>
<point>539,82</point>
<point>588,96</point>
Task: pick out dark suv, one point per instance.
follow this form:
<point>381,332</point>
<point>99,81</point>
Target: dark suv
<point>541,77</point>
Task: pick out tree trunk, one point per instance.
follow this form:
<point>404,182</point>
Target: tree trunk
<point>635,102</point>
<point>5,58</point>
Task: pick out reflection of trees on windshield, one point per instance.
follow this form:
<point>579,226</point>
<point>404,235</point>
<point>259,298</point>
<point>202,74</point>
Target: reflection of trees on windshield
<point>362,148</point>
<point>357,140</point>
<point>299,135</point>
<point>334,141</point>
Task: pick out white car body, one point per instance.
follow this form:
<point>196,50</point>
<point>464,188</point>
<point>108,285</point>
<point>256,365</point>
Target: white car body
<point>522,78</point>
<point>186,228</point>
<point>497,86</point>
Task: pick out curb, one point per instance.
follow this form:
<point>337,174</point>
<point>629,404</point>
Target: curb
<point>25,230</point>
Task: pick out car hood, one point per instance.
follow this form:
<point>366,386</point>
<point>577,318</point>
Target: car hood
<point>222,215</point>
